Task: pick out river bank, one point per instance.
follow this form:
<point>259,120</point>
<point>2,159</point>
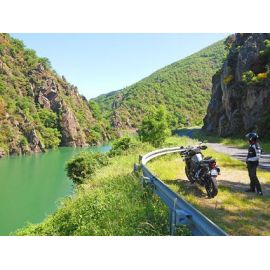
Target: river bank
<point>111,202</point>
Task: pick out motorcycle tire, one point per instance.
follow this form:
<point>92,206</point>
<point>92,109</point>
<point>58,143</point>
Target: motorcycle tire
<point>211,187</point>
<point>188,175</point>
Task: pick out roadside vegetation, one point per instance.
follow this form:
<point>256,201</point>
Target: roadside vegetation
<point>235,211</point>
<point>84,165</point>
<point>111,201</point>
<point>155,127</point>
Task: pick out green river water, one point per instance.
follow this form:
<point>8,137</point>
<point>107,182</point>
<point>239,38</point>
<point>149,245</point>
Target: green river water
<point>31,186</point>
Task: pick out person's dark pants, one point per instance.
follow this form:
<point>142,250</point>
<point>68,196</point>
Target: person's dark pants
<point>252,172</point>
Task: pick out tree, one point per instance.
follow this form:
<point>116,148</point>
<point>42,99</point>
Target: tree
<point>95,109</point>
<point>121,145</point>
<point>48,118</point>
<point>84,165</point>
<point>155,128</point>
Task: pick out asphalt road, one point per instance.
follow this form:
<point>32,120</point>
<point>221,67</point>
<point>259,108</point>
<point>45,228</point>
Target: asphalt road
<point>241,154</point>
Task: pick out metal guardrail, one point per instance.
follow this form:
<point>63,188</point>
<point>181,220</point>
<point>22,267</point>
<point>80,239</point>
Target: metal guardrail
<point>181,212</point>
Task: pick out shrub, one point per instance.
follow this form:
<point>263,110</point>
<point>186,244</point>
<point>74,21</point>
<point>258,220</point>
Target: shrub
<point>262,76</point>
<point>17,44</point>
<point>121,145</point>
<point>48,118</point>
<point>2,106</point>
<point>266,52</point>
<point>248,77</point>
<point>24,141</point>
<point>45,62</point>
<point>94,106</point>
<point>84,165</point>
<point>51,137</point>
<point>2,87</point>
<point>154,128</point>
<point>23,103</point>
<point>228,79</point>
<point>31,58</point>
<point>1,49</point>
<point>94,137</point>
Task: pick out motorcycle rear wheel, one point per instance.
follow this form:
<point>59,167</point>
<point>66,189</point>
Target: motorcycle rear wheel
<point>211,187</point>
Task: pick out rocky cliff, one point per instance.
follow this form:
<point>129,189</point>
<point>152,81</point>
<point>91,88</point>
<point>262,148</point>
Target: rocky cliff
<point>38,108</point>
<point>241,89</point>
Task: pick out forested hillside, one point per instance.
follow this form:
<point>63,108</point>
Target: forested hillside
<point>183,87</point>
<point>38,108</point>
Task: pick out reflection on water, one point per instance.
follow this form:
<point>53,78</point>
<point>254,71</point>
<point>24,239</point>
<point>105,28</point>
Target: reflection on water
<point>31,186</point>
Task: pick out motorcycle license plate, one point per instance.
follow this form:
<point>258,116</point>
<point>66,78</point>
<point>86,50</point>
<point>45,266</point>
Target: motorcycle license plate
<point>214,172</point>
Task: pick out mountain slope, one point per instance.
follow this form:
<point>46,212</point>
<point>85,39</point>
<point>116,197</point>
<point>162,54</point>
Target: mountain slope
<point>241,89</point>
<point>183,87</point>
<point>38,108</point>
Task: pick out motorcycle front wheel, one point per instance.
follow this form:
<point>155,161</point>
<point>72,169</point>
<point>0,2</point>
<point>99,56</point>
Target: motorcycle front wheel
<point>211,187</point>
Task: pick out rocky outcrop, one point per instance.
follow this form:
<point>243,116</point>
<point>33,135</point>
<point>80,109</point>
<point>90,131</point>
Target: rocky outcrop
<point>241,89</point>
<point>72,135</point>
<point>47,93</point>
<point>37,106</point>
<point>35,142</point>
<point>117,101</point>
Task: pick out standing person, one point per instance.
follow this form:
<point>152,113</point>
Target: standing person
<point>254,154</point>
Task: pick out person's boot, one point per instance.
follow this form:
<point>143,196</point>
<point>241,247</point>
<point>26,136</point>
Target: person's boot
<point>260,193</point>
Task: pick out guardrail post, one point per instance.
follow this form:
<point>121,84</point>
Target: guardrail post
<point>136,167</point>
<point>172,222</point>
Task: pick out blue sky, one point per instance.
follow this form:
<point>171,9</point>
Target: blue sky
<point>101,63</point>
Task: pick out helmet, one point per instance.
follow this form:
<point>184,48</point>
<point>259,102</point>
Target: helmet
<point>252,136</point>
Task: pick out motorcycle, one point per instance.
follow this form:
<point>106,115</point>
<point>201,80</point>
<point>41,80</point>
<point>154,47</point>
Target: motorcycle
<point>200,169</point>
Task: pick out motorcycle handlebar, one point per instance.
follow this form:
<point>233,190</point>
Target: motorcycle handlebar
<point>202,147</point>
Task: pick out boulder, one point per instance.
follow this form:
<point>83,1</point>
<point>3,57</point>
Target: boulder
<point>43,101</point>
<point>34,142</point>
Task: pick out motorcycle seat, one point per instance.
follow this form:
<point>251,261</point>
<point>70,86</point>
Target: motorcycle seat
<point>207,161</point>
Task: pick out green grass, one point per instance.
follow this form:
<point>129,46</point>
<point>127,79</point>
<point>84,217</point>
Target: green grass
<point>112,202</point>
<point>233,210</point>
